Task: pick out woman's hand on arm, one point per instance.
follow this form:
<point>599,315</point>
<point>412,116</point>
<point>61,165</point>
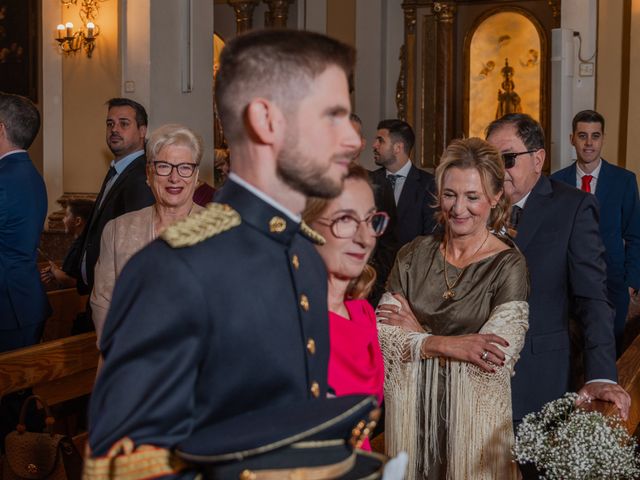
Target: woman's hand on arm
<point>399,316</point>
<point>467,348</point>
<point>480,349</point>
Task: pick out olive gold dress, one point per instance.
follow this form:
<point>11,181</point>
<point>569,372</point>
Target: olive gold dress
<point>452,418</point>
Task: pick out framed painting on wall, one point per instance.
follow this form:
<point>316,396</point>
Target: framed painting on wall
<point>19,47</point>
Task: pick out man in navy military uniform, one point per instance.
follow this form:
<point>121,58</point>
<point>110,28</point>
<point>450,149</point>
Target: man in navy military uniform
<point>228,311</point>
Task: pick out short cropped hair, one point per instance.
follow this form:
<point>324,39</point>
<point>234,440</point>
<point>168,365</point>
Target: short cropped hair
<point>277,65</point>
<point>80,207</point>
<point>475,153</point>
<point>588,116</point>
<point>399,131</point>
<point>527,129</point>
<point>361,286</point>
<point>141,114</point>
<point>20,118</point>
<point>174,134</point>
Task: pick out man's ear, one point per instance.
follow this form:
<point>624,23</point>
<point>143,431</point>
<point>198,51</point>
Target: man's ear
<point>264,121</point>
<point>143,131</point>
<point>538,158</point>
<point>78,221</point>
<point>571,139</point>
<point>398,148</point>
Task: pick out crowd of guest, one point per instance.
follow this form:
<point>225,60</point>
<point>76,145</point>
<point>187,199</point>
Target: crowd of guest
<point>205,311</point>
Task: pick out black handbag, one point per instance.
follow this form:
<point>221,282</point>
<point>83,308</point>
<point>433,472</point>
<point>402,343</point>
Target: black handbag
<point>35,456</point>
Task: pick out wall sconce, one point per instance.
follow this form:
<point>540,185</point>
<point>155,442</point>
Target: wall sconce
<point>70,41</point>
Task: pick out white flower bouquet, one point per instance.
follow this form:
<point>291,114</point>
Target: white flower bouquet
<point>565,442</point>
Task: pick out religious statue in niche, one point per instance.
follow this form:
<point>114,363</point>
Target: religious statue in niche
<point>507,37</point>
<point>508,100</point>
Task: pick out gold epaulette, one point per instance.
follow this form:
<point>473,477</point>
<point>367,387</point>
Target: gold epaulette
<point>125,462</point>
<point>311,234</point>
<point>213,220</point>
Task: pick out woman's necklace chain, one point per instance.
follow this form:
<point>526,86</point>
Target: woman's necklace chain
<point>449,293</point>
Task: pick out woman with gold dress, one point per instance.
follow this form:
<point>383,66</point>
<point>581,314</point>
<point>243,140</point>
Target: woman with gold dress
<point>453,322</point>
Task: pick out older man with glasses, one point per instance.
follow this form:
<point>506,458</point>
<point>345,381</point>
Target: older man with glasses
<point>557,231</point>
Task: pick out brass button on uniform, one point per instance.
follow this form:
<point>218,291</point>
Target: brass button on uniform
<point>311,346</point>
<point>315,389</point>
<point>304,302</point>
<point>247,475</point>
<point>277,225</point>
<point>295,261</point>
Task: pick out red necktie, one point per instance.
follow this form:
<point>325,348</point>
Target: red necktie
<point>586,183</point>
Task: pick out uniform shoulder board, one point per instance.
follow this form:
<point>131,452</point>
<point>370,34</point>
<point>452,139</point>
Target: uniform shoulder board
<point>213,220</point>
<point>311,234</point>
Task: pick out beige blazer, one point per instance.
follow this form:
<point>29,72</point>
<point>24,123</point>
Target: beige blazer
<point>121,238</point>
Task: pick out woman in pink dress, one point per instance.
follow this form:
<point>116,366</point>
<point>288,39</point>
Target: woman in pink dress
<point>350,224</point>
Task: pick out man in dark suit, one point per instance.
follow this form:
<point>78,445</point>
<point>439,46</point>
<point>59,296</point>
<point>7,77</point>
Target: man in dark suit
<point>617,192</point>
<point>413,189</point>
<point>557,231</point>
<point>23,209</point>
<point>124,189</point>
<point>405,192</point>
<point>227,312</point>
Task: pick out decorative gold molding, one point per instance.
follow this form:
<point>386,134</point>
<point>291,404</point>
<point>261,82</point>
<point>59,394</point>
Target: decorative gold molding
<point>277,14</point>
<point>410,18</point>
<point>410,15</point>
<point>444,12</point>
<point>401,86</point>
<point>244,13</point>
<point>555,8</point>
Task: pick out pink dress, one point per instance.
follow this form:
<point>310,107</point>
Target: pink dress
<point>355,361</point>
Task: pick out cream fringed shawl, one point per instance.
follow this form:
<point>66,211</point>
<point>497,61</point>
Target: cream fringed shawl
<point>478,404</point>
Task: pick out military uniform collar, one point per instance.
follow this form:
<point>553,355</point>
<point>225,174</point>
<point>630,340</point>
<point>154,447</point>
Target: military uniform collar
<point>264,197</point>
<point>258,213</point>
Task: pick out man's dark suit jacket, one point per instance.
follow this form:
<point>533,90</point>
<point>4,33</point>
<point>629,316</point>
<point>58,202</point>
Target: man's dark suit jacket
<point>130,192</point>
<point>23,209</point>
<point>414,212</point>
<point>412,217</point>
<point>617,194</point>
<point>559,237</point>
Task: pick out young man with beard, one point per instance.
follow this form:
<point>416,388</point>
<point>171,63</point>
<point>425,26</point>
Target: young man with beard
<point>124,188</point>
<point>227,312</point>
<point>404,191</point>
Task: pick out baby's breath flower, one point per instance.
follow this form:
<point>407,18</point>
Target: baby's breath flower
<point>567,443</point>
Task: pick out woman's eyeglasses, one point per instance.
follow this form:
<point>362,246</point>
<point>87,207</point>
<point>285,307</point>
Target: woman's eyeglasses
<point>347,226</point>
<point>509,158</point>
<point>164,169</point>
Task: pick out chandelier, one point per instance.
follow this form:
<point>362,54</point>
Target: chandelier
<point>71,41</point>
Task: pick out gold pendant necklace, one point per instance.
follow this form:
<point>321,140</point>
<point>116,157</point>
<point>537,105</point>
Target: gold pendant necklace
<point>450,293</point>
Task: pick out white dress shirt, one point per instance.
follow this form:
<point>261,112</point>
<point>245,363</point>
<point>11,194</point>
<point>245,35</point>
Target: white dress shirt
<point>401,176</point>
<point>595,174</point>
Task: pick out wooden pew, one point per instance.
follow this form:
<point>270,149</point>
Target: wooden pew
<point>629,379</point>
<point>58,370</point>
<point>66,305</point>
